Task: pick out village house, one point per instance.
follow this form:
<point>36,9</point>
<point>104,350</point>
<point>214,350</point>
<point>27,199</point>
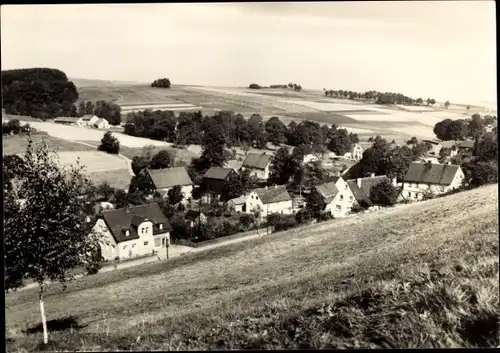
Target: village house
<point>246,203</point>
<point>131,232</point>
<point>101,124</point>
<point>258,164</point>
<point>90,119</point>
<point>356,152</point>
<point>430,178</point>
<point>337,196</point>
<point>69,121</point>
<point>162,180</point>
<point>361,187</point>
<point>274,199</point>
<point>215,178</point>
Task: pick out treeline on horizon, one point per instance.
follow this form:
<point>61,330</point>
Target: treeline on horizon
<point>379,97</point>
<point>294,86</point>
<point>46,93</point>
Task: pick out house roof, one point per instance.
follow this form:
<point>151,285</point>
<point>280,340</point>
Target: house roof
<point>273,194</point>
<point>66,119</point>
<point>217,173</point>
<point>362,194</point>
<point>233,164</point>
<point>239,200</point>
<point>257,161</point>
<point>434,142</point>
<point>169,177</point>
<point>120,220</point>
<point>101,120</point>
<point>441,174</point>
<point>87,117</point>
<point>328,191</point>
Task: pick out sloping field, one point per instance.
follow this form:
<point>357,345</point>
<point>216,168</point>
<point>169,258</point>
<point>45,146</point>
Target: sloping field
<point>415,276</point>
<point>17,144</point>
<point>94,161</point>
<point>117,178</point>
<point>82,133</point>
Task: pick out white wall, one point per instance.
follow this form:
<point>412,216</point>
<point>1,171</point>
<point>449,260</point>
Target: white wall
<point>283,207</point>
<point>416,191</point>
<point>342,204</point>
<point>108,244</point>
<point>262,174</point>
<point>187,191</point>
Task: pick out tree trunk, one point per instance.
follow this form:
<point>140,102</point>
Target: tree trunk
<point>44,319</point>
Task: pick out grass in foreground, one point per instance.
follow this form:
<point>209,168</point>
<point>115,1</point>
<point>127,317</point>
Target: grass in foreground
<point>421,275</point>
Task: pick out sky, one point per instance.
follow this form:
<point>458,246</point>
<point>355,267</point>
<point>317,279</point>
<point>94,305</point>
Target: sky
<point>440,49</point>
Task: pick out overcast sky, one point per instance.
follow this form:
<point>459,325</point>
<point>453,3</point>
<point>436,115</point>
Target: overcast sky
<point>441,49</point>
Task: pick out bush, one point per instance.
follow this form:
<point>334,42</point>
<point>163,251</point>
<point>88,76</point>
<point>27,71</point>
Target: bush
<point>109,144</point>
<point>254,86</point>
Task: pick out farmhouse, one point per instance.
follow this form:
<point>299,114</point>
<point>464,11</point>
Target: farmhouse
<point>338,197</point>
<point>361,187</point>
<point>69,121</point>
<point>215,178</point>
<point>258,164</point>
<point>101,124</point>
<point>430,178</point>
<point>246,203</point>
<point>162,180</point>
<point>274,199</point>
<point>133,231</point>
<point>90,119</point>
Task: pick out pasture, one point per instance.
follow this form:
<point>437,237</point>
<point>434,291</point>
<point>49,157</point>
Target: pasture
<point>117,178</point>
<point>397,278</point>
<point>94,161</point>
<point>17,144</point>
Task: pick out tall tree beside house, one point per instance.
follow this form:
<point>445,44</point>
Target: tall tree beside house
<point>109,144</point>
<point>175,195</point>
<point>275,131</point>
<point>354,138</point>
<point>233,187</point>
<point>340,143</point>
<point>290,132</point>
<point>315,204</point>
<point>255,127</point>
<point>105,191</point>
<point>46,235</point>
<point>139,163</point>
<point>384,194</point>
<point>280,169</point>
<point>214,141</point>
<point>476,127</point>
<point>163,159</point>
<point>140,183</point>
<point>110,111</point>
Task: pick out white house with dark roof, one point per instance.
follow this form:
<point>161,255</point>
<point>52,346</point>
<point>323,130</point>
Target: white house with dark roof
<point>101,123</point>
<point>69,121</point>
<point>338,197</point>
<point>162,180</point>
<point>258,164</point>
<point>90,119</point>
<point>361,187</point>
<point>274,199</point>
<point>131,232</point>
<point>430,178</point>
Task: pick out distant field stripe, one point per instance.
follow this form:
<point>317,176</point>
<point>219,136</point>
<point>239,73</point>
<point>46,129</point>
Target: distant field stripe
<point>376,117</point>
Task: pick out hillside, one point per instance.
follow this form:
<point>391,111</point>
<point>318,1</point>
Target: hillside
<point>420,275</point>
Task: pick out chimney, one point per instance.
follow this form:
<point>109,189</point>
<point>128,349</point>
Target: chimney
<point>358,181</point>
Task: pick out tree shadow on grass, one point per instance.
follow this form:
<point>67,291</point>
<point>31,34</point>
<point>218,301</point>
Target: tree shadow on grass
<point>63,324</point>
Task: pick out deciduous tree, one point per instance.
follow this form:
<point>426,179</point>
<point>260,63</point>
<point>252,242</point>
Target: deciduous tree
<point>109,144</point>
<point>384,194</point>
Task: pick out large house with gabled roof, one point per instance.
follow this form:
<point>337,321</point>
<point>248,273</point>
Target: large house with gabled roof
<point>337,196</point>
<point>215,178</point>
<point>258,164</point>
<point>422,178</point>
<point>133,231</point>
<point>162,180</point>
<point>361,187</point>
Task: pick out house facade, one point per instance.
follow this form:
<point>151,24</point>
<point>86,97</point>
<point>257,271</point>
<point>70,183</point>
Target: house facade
<point>101,124</point>
<point>361,188</point>
<point>430,178</point>
<point>162,180</point>
<point>131,232</point>
<point>338,197</point>
<point>247,203</point>
<point>275,199</point>
<point>258,164</point>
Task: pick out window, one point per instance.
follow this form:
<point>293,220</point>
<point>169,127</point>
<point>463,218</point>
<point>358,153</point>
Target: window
<point>146,243</point>
<point>160,226</point>
<point>345,186</point>
<point>133,245</point>
<point>341,197</point>
<point>124,247</point>
<point>350,198</point>
<point>338,207</point>
<point>158,242</point>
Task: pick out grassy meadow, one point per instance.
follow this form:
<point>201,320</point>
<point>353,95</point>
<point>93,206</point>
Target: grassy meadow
<point>422,275</point>
<point>17,144</point>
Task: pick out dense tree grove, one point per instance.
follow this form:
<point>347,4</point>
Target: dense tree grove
<point>378,97</point>
<point>294,86</point>
<point>109,144</point>
<point>161,83</point>
<point>38,92</point>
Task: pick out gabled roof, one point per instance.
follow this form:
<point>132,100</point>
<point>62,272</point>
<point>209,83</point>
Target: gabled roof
<point>169,177</point>
<point>120,220</point>
<point>217,173</point>
<point>87,117</point>
<point>257,161</point>
<point>362,194</point>
<point>101,120</point>
<point>328,191</point>
<point>239,200</point>
<point>440,174</point>
<point>66,119</point>
<point>273,194</point>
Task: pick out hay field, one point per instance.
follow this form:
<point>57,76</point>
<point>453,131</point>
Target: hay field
<point>17,144</point>
<point>117,178</point>
<point>94,161</point>
<point>82,133</point>
<point>376,117</point>
<point>398,278</point>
